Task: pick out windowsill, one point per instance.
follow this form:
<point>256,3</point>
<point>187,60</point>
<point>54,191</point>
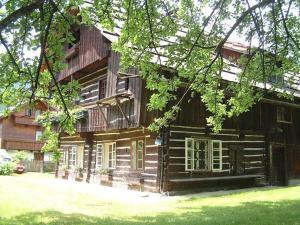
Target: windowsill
<point>199,171</point>
<point>284,122</point>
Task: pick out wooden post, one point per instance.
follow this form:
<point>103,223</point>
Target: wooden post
<point>89,142</point>
<point>119,105</point>
<point>102,113</point>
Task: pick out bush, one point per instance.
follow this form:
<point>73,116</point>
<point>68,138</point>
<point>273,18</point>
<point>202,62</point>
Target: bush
<point>7,168</point>
<point>20,156</point>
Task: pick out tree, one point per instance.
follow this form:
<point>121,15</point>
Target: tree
<point>185,37</point>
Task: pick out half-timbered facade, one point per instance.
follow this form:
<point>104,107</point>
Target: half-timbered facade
<point>113,146</point>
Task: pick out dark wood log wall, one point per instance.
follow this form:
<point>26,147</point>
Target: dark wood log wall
<point>124,173</point>
<point>90,86</point>
<point>93,46</point>
<point>251,148</point>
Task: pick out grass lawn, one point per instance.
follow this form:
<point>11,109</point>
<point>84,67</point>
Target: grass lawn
<point>40,199</point>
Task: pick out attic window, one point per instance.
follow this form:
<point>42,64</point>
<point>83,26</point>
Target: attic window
<point>275,79</point>
<point>284,114</point>
<point>102,88</point>
<point>28,112</point>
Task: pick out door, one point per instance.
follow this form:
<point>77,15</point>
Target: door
<point>236,159</point>
<point>279,176</point>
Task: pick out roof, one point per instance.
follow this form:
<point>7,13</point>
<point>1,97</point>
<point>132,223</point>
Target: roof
<point>227,74</point>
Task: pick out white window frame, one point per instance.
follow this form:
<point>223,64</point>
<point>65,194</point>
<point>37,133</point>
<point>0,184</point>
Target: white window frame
<point>219,158</point>
<point>37,113</point>
<point>209,158</point>
<point>38,134</point>
<point>99,164</point>
<point>187,158</point>
<point>73,156</point>
<point>135,154</point>
<point>113,159</point>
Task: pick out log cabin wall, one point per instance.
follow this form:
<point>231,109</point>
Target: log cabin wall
<point>243,160</point>
<point>124,174</point>
<point>91,47</point>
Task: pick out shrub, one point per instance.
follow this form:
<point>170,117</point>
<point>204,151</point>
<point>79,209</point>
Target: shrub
<point>7,168</point>
<point>20,156</point>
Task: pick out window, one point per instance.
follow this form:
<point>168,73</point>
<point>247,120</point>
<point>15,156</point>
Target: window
<point>138,154</point>
<point>72,160</point>
<point>203,155</point>
<point>99,156</point>
<point>106,156</point>
<point>28,112</point>
<point>276,79</point>
<point>284,114</point>
<point>102,88</point>
<point>112,155</point>
<point>37,113</point>
<point>65,157</point>
<point>126,83</point>
<point>216,155</point>
<point>38,135</point>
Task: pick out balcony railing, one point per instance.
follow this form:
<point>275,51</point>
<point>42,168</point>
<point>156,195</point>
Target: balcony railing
<point>24,145</point>
<point>26,121</point>
<point>96,121</point>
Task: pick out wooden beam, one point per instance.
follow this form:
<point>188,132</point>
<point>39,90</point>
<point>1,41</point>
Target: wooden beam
<point>277,102</point>
<point>102,113</point>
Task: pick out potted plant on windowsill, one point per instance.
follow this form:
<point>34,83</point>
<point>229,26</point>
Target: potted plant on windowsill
<point>65,171</point>
<point>79,174</point>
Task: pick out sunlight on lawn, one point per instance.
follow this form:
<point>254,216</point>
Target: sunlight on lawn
<point>38,199</point>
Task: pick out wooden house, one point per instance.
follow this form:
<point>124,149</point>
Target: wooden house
<point>20,131</point>
<point>113,145</point>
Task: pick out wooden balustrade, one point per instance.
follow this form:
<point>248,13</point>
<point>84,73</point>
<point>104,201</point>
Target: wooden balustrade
<point>96,121</point>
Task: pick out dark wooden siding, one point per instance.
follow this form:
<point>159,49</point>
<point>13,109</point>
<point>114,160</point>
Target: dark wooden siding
<point>92,47</point>
<point>250,150</point>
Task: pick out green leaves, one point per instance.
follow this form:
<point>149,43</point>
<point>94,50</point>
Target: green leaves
<point>175,45</point>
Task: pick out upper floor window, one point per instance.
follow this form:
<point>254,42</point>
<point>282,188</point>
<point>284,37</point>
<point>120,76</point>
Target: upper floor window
<point>37,113</point>
<point>203,155</point>
<point>28,112</point>
<point>102,88</point>
<point>38,135</point>
<point>284,114</point>
<point>276,79</point>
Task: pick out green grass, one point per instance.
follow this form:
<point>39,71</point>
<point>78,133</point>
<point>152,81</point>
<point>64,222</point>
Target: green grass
<point>29,199</point>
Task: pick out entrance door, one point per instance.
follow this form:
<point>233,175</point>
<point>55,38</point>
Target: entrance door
<point>236,158</point>
<point>278,166</point>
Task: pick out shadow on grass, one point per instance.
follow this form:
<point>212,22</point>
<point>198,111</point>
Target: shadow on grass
<point>260,213</point>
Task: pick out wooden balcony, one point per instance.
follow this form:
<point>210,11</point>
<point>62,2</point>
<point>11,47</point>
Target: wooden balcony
<point>26,121</point>
<point>23,145</point>
<point>99,121</point>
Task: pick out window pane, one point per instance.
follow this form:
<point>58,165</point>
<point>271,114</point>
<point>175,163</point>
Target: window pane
<point>216,155</point>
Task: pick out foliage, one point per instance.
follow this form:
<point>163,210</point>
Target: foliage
<point>174,45</point>
<point>64,168</point>
<point>7,168</point>
<point>102,171</point>
<point>20,156</point>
